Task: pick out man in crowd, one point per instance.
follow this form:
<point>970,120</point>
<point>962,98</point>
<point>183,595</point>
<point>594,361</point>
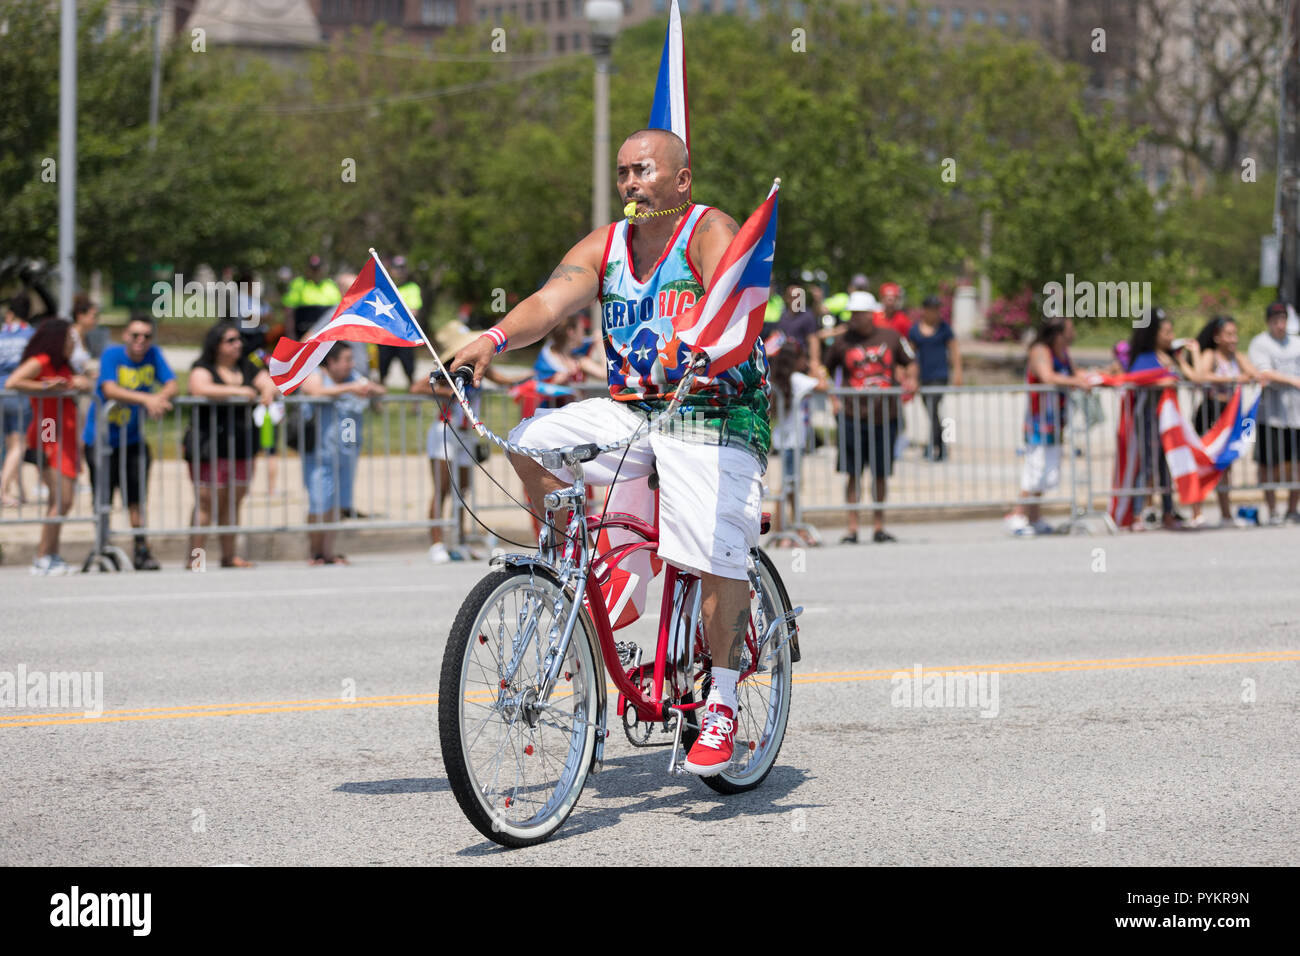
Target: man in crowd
<point>308,298</point>
<point>135,376</point>
<point>797,323</point>
<point>1277,440</point>
<point>892,313</point>
<point>869,357</point>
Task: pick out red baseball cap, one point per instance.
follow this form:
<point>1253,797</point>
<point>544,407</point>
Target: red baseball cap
<point>890,287</point>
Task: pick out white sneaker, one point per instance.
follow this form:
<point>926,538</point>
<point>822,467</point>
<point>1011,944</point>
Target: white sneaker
<point>1025,531</point>
<point>50,564</point>
<point>1014,523</point>
<point>1276,520</point>
<point>438,553</point>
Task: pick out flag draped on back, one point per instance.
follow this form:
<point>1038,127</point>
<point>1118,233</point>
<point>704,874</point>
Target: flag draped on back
<point>726,322</point>
<point>1134,448</point>
<point>669,110</point>
<point>372,311</point>
<point>1197,462</point>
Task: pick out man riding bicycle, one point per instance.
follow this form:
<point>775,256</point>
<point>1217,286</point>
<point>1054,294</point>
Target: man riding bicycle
<point>711,460</point>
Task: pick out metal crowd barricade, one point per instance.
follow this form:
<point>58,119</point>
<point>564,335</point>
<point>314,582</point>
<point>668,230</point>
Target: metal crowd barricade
<point>391,478</point>
<point>980,466</point>
<point>982,429</point>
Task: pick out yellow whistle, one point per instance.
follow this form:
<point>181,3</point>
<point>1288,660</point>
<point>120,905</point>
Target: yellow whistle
<point>629,210</point>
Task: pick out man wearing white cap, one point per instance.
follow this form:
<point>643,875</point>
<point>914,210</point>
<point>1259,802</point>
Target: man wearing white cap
<point>868,357</point>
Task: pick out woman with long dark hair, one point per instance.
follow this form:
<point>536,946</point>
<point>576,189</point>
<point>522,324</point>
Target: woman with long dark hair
<point>1221,368</point>
<point>52,433</point>
<point>1048,363</point>
<point>222,440</point>
<point>1151,346</point>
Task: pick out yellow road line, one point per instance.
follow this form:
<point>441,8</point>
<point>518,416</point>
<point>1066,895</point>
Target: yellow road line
<point>825,677</point>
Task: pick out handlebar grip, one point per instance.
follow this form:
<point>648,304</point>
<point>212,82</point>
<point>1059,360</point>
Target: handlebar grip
<point>463,376</point>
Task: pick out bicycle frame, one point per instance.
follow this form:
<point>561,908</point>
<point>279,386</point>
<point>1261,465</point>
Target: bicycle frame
<point>679,624</point>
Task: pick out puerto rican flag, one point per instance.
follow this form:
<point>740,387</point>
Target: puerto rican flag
<point>1197,462</point>
<point>1128,451</point>
<point>669,110</point>
<point>372,311</point>
<point>726,322</point>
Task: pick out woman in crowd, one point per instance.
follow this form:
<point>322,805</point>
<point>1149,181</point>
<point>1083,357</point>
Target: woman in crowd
<point>85,316</point>
<point>1151,346</point>
<point>940,359</point>
<point>561,360</point>
<point>330,468</point>
<point>53,430</point>
<point>450,440</point>
<point>15,411</point>
<point>1221,369</point>
<point>222,438</point>
<point>1048,363</point>
<point>791,384</point>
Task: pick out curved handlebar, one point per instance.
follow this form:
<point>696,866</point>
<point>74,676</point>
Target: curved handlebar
<point>552,458</point>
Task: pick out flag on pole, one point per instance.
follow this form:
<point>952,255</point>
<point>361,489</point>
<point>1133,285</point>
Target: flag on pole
<point>726,322</point>
<point>1197,462</point>
<point>372,311</point>
<point>669,110</point>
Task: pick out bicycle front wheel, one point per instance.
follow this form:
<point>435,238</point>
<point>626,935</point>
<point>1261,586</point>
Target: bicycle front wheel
<point>764,696</point>
<point>517,764</point>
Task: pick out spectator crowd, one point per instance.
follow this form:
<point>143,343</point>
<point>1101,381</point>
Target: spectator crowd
<point>868,357</point>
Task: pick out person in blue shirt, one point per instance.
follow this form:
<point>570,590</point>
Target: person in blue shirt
<point>15,411</point>
<point>940,360</point>
<point>135,377</point>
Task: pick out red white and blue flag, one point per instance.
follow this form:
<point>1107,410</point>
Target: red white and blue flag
<point>372,311</point>
<point>1197,462</point>
<point>669,110</point>
<point>726,322</point>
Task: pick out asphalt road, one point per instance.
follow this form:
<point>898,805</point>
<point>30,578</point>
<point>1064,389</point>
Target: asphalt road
<point>1148,694</point>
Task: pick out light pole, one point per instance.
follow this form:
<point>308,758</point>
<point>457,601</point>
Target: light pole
<point>604,17</point>
<point>67,168</point>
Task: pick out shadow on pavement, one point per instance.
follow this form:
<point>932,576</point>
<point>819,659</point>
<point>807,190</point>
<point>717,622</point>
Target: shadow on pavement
<point>645,775</point>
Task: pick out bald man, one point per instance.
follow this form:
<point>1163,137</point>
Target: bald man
<point>710,461</point>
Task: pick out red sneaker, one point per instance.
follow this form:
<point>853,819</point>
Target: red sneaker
<point>713,748</point>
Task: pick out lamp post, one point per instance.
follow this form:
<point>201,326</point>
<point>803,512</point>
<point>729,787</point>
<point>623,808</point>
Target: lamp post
<point>604,17</point>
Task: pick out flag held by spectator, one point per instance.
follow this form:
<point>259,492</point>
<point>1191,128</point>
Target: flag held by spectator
<point>372,311</point>
<point>726,322</point>
<point>669,110</point>
<point>1197,462</point>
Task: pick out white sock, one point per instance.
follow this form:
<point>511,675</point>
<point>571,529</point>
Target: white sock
<point>724,687</point>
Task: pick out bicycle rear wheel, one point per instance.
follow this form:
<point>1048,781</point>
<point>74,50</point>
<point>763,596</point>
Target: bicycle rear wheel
<point>764,696</point>
<point>516,764</point>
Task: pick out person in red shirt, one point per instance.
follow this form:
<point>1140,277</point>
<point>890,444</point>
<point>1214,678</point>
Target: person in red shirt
<point>868,358</point>
<point>46,366</point>
<point>893,316</point>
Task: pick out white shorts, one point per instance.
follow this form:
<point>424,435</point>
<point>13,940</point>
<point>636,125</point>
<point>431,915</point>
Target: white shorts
<point>710,497</point>
<point>441,444</point>
<point>1042,470</point>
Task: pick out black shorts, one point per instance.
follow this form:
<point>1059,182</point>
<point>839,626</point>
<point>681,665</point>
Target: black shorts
<point>138,459</point>
<point>863,442</point>
<point>1276,446</point>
